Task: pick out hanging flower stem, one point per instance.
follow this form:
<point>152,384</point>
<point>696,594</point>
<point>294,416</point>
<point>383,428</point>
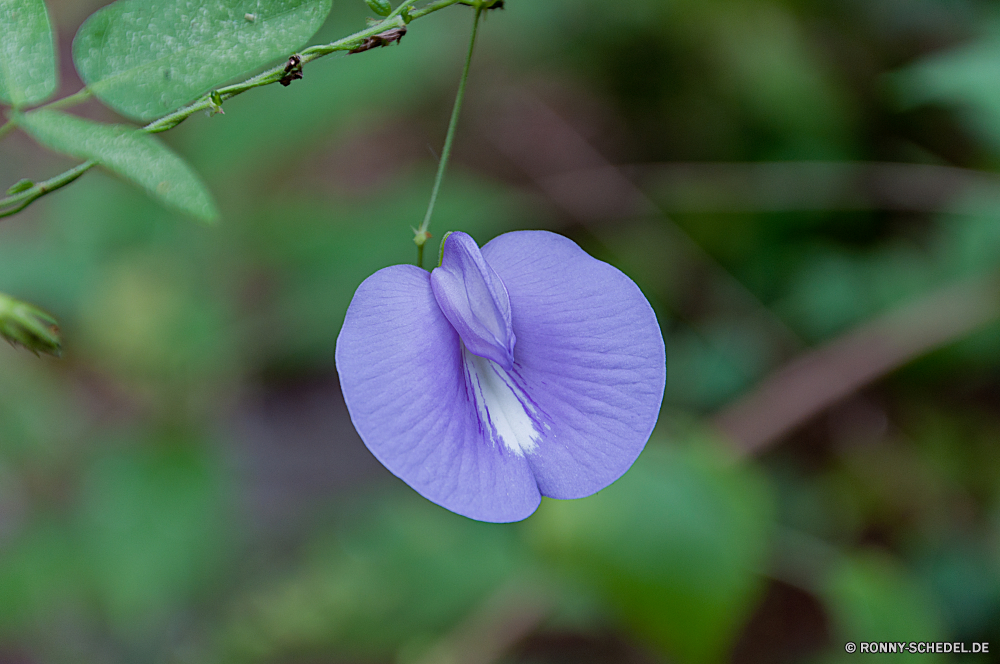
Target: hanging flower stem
<point>421,234</point>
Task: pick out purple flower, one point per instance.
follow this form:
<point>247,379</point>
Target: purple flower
<point>526,369</point>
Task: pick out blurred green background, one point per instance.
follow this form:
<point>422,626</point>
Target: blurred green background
<point>805,191</point>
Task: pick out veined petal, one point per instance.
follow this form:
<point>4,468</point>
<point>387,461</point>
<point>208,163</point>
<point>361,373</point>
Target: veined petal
<point>474,299</point>
<point>404,380</point>
<point>589,355</point>
<point>506,415</point>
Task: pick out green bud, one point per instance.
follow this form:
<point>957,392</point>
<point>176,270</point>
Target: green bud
<point>215,99</point>
<point>380,7</point>
<point>19,186</point>
<point>22,324</point>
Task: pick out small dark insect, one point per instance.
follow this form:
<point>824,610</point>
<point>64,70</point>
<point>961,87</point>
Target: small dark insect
<point>381,39</point>
<point>497,4</point>
<point>293,70</point>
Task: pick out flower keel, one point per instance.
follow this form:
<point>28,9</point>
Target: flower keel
<point>474,300</point>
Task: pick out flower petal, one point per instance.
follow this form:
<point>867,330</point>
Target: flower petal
<point>507,415</point>
<point>589,355</point>
<point>474,299</point>
<point>404,381</point>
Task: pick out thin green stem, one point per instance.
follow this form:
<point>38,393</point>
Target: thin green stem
<point>275,74</point>
<point>421,233</point>
<point>393,20</point>
<point>13,204</point>
<point>28,196</point>
<point>72,100</point>
<point>432,7</point>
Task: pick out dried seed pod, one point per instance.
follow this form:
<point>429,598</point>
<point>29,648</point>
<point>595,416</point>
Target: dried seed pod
<point>381,39</point>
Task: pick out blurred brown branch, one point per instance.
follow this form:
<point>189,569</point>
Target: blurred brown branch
<point>810,185</point>
<point>821,377</point>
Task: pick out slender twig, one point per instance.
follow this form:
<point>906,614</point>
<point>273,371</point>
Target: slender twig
<point>72,100</point>
<point>820,378</point>
<point>421,234</point>
<point>433,7</point>
<point>813,185</point>
<point>275,74</point>
<point>13,204</point>
<point>28,196</point>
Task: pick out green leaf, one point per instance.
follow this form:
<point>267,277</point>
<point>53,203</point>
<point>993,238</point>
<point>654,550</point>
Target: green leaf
<point>871,594</point>
<point>39,572</point>
<point>147,58</point>
<point>132,154</point>
<point>967,77</point>
<point>27,53</point>
<point>21,185</point>
<point>380,7</point>
<point>399,575</point>
<point>674,547</point>
<point>153,527</point>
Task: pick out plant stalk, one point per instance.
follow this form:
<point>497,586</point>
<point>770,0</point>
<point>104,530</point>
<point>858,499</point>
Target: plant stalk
<point>421,234</point>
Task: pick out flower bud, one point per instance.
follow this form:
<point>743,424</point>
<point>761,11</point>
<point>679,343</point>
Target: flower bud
<point>22,324</point>
<point>19,186</point>
<point>215,104</point>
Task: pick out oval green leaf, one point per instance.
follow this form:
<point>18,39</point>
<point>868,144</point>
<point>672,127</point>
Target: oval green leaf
<point>674,546</point>
<point>132,154</point>
<point>27,53</point>
<point>147,58</point>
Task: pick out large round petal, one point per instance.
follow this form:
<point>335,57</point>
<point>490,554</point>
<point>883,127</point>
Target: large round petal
<point>401,371</point>
<point>590,354</point>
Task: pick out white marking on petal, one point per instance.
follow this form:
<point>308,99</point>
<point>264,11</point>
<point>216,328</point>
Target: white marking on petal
<point>505,412</point>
